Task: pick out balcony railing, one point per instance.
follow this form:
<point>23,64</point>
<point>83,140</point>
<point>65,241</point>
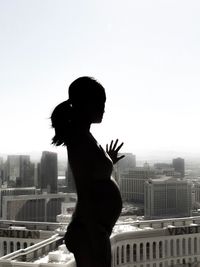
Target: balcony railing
<point>145,247</point>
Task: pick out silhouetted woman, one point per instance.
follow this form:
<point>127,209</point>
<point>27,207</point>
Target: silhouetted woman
<point>99,202</point>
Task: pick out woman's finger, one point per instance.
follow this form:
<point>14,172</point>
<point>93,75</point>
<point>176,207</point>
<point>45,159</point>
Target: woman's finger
<point>115,144</point>
<point>111,143</point>
<point>119,147</point>
<point>121,157</point>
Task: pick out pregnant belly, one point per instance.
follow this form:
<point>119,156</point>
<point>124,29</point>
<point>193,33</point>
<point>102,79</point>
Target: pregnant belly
<point>107,202</point>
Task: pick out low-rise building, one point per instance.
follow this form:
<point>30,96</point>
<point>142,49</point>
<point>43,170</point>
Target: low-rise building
<point>38,208</point>
<point>167,197</point>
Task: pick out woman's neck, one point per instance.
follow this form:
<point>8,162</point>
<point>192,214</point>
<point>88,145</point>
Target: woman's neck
<point>82,126</point>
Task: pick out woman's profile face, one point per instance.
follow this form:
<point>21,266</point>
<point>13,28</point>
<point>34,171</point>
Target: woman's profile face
<point>92,110</point>
<point>88,99</point>
<point>96,111</point>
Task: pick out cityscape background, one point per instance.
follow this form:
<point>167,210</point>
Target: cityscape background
<point>151,190</point>
<point>37,199</point>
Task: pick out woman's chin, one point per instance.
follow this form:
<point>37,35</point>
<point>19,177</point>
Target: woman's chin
<point>98,120</point>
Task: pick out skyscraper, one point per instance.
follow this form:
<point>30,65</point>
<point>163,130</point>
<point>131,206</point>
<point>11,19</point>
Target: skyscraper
<point>1,171</point>
<point>179,166</point>
<point>19,171</point>
<point>197,192</point>
<point>48,172</point>
<point>26,172</point>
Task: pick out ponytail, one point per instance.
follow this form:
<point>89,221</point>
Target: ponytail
<point>61,122</point>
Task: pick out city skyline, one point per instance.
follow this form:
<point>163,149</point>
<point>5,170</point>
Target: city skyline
<point>146,55</point>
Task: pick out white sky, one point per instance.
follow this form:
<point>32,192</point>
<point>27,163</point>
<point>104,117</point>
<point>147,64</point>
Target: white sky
<point>145,53</point>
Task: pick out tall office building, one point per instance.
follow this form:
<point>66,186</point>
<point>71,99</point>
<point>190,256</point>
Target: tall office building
<point>1,171</point>
<point>19,171</point>
<point>12,169</point>
<point>167,197</point>
<point>197,192</point>
<point>26,172</point>
<point>132,184</point>
<point>48,172</point>
<point>179,166</point>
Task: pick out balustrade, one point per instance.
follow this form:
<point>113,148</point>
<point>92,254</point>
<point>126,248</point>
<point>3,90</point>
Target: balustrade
<point>160,252</point>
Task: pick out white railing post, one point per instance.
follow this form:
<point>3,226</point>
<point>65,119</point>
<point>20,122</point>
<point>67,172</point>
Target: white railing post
<point>137,252</point>
<point>131,252</point>
<point>144,251</point>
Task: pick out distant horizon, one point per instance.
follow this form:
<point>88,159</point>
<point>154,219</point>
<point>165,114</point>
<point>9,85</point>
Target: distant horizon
<point>156,155</point>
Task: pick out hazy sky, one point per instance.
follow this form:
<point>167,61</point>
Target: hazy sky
<point>145,53</point>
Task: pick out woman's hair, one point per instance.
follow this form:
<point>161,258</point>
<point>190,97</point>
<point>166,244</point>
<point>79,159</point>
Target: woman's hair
<point>81,92</point>
<point>60,119</point>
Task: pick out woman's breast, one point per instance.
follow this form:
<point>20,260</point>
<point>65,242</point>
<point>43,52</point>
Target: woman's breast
<point>102,166</point>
